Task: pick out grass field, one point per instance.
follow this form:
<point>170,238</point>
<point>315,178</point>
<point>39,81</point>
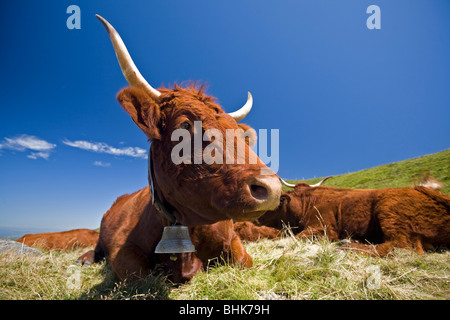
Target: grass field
<point>398,174</point>
<point>283,269</point>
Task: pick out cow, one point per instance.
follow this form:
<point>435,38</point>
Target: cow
<point>254,231</point>
<point>205,197</point>
<point>378,219</point>
<point>61,241</point>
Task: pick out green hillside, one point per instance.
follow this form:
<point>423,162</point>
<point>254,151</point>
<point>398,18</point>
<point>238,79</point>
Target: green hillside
<point>398,174</point>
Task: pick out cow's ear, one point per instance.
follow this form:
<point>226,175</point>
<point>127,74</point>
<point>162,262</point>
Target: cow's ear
<point>144,111</point>
<point>250,134</point>
<point>284,199</point>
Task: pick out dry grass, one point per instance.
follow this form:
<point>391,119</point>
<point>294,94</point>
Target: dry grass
<point>42,276</point>
<point>56,276</point>
<point>283,269</point>
<point>303,269</point>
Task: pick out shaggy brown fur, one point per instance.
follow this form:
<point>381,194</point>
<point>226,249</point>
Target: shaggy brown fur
<point>416,217</point>
<point>61,241</point>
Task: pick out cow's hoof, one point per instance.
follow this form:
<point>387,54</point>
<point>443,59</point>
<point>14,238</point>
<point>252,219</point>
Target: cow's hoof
<point>344,244</point>
<point>85,263</point>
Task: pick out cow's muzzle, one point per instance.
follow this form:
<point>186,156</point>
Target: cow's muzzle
<point>265,192</point>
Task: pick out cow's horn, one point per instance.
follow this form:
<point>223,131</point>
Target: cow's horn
<point>290,185</point>
<point>320,182</point>
<point>287,184</point>
<point>243,112</point>
<point>129,70</point>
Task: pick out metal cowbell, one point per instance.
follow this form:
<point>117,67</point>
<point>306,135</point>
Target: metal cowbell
<point>175,239</point>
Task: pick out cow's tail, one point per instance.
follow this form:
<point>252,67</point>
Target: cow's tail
<point>430,182</point>
<point>439,197</point>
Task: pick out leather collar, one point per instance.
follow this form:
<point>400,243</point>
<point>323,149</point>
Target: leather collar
<point>160,204</point>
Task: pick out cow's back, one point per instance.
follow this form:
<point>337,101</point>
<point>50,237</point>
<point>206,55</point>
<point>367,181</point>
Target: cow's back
<point>350,211</point>
<point>420,210</point>
<point>65,240</point>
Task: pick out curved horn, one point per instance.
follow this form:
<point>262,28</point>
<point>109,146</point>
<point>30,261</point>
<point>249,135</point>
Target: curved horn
<point>289,185</point>
<point>129,70</point>
<point>243,112</point>
<point>320,182</point>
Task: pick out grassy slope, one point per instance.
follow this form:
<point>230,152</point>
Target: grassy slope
<point>283,269</point>
<point>398,174</point>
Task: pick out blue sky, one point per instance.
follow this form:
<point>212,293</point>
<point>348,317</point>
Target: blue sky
<point>344,97</point>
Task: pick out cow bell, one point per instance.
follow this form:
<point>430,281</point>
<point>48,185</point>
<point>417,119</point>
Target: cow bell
<point>175,239</point>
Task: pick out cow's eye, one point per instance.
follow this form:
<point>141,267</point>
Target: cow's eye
<point>185,125</point>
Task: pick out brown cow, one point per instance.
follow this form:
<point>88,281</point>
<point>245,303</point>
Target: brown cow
<point>203,196</point>
<point>416,217</point>
<point>66,240</point>
<point>253,231</point>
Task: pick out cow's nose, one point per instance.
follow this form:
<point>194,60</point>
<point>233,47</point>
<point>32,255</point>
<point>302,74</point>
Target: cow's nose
<point>259,192</point>
<point>265,191</point>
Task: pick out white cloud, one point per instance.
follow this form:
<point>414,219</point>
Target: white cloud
<point>101,147</point>
<point>26,142</point>
<point>102,164</point>
<point>36,155</point>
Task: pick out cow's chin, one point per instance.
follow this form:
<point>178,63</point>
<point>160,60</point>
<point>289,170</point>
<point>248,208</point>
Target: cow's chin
<point>249,216</point>
<point>198,219</point>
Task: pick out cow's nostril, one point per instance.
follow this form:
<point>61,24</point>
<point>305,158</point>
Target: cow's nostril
<point>265,192</point>
<point>259,192</point>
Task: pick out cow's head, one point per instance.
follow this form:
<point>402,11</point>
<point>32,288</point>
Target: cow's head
<point>286,210</point>
<point>293,204</point>
<point>200,192</point>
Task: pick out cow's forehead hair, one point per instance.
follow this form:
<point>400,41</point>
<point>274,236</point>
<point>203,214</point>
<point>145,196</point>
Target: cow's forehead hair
<point>194,104</point>
<point>209,118</point>
<point>189,97</point>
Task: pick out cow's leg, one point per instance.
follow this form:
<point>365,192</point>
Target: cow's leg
<point>311,232</point>
<point>92,256</point>
<point>396,233</point>
<point>428,246</point>
<point>189,265</point>
<point>87,259</point>
<point>322,222</point>
<point>129,263</point>
<point>380,250</point>
<point>238,253</point>
<point>419,246</point>
<point>248,231</point>
<point>383,249</point>
<point>373,250</point>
